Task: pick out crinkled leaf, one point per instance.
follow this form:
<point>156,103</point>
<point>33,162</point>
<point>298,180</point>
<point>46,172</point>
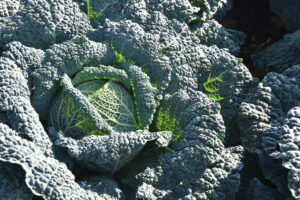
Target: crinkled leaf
<point>212,33</point>
<point>92,151</point>
<point>12,183</point>
<point>40,23</point>
<point>191,163</point>
<point>69,58</point>
<point>268,118</point>
<point>144,94</point>
<point>44,176</point>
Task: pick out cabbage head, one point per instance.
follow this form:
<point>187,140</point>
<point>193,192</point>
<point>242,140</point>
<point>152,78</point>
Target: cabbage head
<point>111,100</point>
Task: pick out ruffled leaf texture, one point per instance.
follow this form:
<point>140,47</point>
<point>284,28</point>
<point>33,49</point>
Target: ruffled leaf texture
<point>269,126</point>
<point>156,37</point>
<point>12,183</point>
<point>209,9</point>
<point>185,10</point>
<point>110,153</point>
<point>197,166</point>
<point>66,58</point>
<point>212,33</point>
<point>175,58</point>
<point>40,24</point>
<point>45,176</point>
<point>290,149</point>
<point>46,80</point>
<point>24,142</point>
<point>16,90</point>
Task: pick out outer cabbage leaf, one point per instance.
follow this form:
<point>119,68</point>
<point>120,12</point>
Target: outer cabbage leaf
<point>288,11</point>
<point>212,33</point>
<point>208,9</point>
<point>136,45</point>
<point>265,123</point>
<point>16,66</point>
<point>105,186</point>
<point>224,78</point>
<point>162,45</point>
<point>121,9</point>
<point>92,151</point>
<point>26,58</point>
<point>12,184</point>
<point>219,182</point>
<point>68,57</point>
<point>169,44</point>
<point>145,95</point>
<point>290,148</point>
<point>15,99</point>
<point>40,23</point>
<point>280,55</point>
<point>45,176</point>
<point>8,8</point>
<point>171,107</point>
<point>31,141</point>
<point>197,166</point>
<point>102,72</point>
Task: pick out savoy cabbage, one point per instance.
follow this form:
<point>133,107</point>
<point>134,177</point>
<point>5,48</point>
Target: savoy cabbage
<point>139,99</point>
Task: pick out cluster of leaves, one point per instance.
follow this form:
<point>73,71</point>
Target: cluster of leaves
<point>150,115</point>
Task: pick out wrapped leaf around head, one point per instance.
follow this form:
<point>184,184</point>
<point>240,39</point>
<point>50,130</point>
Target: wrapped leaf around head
<point>107,105</point>
<point>100,110</point>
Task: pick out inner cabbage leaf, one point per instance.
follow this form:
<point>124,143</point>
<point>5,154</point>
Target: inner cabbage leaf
<point>110,99</point>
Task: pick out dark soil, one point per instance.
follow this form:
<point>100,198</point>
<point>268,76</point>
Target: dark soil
<point>259,23</point>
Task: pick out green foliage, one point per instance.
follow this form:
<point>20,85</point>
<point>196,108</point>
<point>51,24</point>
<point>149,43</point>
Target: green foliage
<point>221,136</point>
<point>211,86</point>
<point>65,116</point>
<point>111,101</point>
<point>166,122</point>
<point>102,72</point>
<point>160,54</point>
<point>92,14</point>
<point>155,85</point>
<point>145,70</point>
<point>195,20</point>
<point>216,97</point>
<point>139,125</point>
<point>196,1</point>
<point>119,57</point>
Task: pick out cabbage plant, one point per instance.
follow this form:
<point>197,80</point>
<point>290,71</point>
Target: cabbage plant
<point>108,103</point>
<point>173,149</point>
<point>112,101</point>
